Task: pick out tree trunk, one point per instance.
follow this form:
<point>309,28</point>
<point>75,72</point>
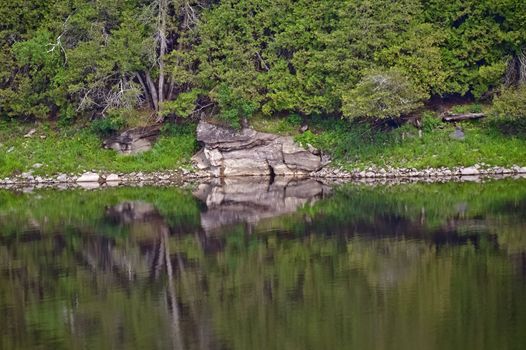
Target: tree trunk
<point>163,4</point>
<point>153,91</point>
<point>146,90</point>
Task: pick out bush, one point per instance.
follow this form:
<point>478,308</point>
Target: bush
<point>381,95</point>
<point>430,122</point>
<point>183,106</point>
<point>511,104</point>
<point>468,108</point>
<point>108,125</point>
<point>234,107</point>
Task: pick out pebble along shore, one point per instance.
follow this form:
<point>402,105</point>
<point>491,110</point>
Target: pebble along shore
<point>95,179</point>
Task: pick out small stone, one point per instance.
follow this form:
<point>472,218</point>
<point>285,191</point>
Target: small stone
<point>458,134</point>
<point>30,133</point>
<point>38,165</point>
<point>112,178</point>
<point>62,178</point>
<point>89,177</point>
<point>469,171</point>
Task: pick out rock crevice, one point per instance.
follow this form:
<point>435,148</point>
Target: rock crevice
<point>247,152</point>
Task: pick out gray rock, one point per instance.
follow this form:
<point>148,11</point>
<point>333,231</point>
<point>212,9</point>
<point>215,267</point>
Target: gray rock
<point>89,177</point>
<point>458,134</point>
<point>134,141</point>
<point>112,178</point>
<point>38,165</point>
<point>228,152</point>
<point>62,178</point>
<point>469,171</point>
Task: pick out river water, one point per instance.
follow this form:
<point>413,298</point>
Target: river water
<point>253,265</point>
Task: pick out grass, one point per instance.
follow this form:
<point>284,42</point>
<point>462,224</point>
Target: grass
<point>359,146</point>
<point>75,150</point>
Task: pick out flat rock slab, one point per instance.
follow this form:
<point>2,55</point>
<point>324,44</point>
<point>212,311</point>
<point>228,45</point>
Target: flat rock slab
<point>246,152</point>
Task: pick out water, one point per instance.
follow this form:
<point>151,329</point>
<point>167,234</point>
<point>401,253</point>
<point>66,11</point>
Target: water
<point>296,265</point>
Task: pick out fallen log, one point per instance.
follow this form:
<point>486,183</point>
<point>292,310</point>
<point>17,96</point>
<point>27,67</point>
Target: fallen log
<point>451,118</point>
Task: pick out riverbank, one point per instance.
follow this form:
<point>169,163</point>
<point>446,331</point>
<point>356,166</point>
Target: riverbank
<point>49,153</point>
<point>91,180</point>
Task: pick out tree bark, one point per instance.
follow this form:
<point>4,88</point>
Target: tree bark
<point>162,46</point>
<point>153,91</point>
<point>146,90</point>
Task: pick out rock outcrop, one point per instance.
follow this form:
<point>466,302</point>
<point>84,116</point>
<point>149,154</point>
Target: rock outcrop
<point>247,152</point>
<point>134,141</point>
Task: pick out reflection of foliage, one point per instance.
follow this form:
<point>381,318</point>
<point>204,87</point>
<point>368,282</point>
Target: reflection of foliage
<point>428,205</point>
<point>50,210</point>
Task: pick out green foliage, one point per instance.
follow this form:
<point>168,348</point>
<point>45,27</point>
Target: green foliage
<point>468,108</point>
<point>382,94</point>
<point>510,104</point>
<point>306,138</point>
<point>108,125</point>
<point>430,122</point>
<point>183,106</point>
<point>509,110</point>
<point>69,59</point>
<point>233,107</point>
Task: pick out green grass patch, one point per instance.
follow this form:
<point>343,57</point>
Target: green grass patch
<point>288,125</point>
<point>74,150</point>
<point>360,146</point>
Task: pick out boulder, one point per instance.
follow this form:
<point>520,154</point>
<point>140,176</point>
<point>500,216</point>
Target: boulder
<point>246,152</point>
<point>133,141</point>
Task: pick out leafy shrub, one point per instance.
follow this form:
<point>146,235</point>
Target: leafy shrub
<point>430,122</point>
<point>108,125</point>
<point>294,120</point>
<point>511,104</point>
<point>183,106</point>
<point>509,110</point>
<point>233,106</point>
<point>382,94</point>
<point>468,108</point>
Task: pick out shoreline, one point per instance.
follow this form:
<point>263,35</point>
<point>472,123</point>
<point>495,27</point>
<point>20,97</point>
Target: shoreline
<point>93,180</point>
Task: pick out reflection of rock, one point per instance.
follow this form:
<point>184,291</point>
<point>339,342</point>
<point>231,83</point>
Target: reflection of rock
<point>228,152</point>
<point>134,140</point>
<point>236,200</point>
<point>128,212</point>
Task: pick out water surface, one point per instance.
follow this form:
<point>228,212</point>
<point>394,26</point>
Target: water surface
<point>287,265</point>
